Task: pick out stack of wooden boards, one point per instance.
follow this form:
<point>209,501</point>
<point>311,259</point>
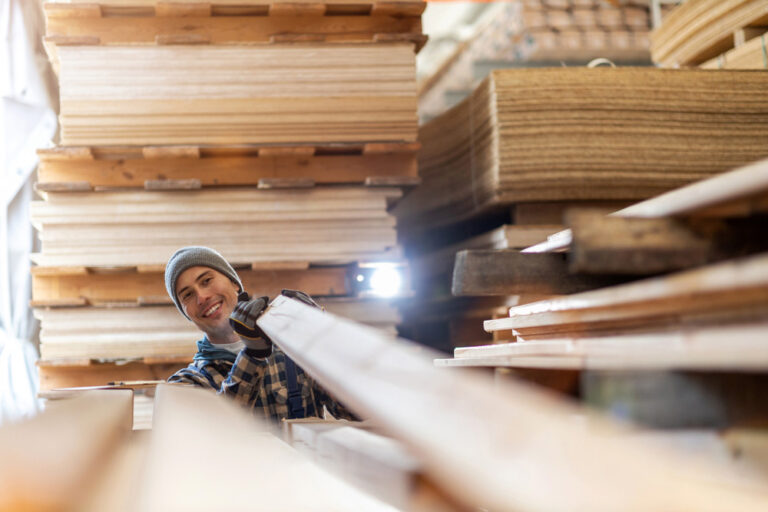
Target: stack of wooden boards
<point>592,134</point>
<point>714,34</point>
<point>532,33</point>
<point>272,131</point>
<point>711,315</point>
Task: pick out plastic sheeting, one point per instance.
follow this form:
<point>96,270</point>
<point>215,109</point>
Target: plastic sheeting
<point>28,121</point>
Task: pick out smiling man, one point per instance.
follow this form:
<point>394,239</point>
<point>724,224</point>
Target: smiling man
<point>243,363</point>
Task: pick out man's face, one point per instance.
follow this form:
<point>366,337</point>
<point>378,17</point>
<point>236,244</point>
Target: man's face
<point>208,298</point>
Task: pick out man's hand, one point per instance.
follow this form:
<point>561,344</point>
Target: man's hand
<point>243,321</point>
<point>303,297</point>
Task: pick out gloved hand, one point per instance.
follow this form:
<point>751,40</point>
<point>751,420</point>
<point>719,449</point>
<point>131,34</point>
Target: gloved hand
<point>243,321</point>
<point>303,297</point>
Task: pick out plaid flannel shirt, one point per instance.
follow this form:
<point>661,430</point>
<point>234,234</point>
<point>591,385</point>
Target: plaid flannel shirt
<point>260,384</point>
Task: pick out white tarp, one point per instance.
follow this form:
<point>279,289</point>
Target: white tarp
<point>27,121</point>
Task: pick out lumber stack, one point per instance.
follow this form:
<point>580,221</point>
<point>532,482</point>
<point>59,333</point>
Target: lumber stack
<point>272,131</point>
<point>532,33</point>
<point>713,34</point>
<point>590,134</point>
<point>124,229</point>
<point>708,313</point>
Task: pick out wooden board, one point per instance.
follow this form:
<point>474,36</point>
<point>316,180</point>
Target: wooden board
<point>53,376</point>
<point>259,463</point>
<point>188,94</point>
<point>565,134</point>
<point>206,23</point>
<point>698,31</point>
<point>156,333</point>
<point>115,333</point>
<point>137,167</point>
<point>119,229</point>
<point>477,440</point>
<point>625,245</point>
<point>741,192</point>
<point>714,293</point>
<point>130,285</point>
<point>507,272</point>
<point>50,461</point>
<point>437,264</point>
<point>739,348</point>
<point>751,54</point>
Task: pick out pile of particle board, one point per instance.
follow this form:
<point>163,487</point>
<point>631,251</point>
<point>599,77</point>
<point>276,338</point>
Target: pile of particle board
<point>591,134</point>
<point>219,124</point>
<point>536,32</point>
<point>727,34</point>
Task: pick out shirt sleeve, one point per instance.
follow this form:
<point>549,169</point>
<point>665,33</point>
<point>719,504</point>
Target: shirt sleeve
<point>244,380</point>
<point>199,376</point>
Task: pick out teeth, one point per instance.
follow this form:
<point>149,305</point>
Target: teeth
<point>212,310</point>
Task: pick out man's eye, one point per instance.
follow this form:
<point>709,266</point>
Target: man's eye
<point>206,280</point>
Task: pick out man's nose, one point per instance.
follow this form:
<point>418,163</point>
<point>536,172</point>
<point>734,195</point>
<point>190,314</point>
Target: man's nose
<point>202,296</point>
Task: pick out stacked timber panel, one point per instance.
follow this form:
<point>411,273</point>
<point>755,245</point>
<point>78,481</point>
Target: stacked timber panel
<point>528,144</point>
<point>275,132</point>
<point>532,33</point>
<point>707,312</point>
<point>552,134</point>
<point>713,34</point>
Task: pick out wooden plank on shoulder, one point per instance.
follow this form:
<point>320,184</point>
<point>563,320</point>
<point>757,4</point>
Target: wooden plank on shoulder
<point>259,464</point>
<point>475,438</point>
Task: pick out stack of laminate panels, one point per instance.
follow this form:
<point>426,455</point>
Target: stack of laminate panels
<point>715,34</point>
<point>272,131</point>
<point>591,134</point>
<point>530,33</point>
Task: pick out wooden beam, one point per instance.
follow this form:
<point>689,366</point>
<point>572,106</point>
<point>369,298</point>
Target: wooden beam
<point>499,448</point>
<point>49,461</point>
<point>260,467</point>
<point>49,289</point>
<point>508,272</point>
<point>738,348</point>
<point>246,165</point>
<point>722,291</point>
<point>738,193</point>
<point>642,246</point>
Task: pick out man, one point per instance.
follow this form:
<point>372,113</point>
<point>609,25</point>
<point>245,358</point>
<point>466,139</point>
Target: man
<point>235,357</point>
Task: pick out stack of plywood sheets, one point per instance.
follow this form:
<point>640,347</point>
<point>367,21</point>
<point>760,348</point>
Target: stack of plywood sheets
<point>158,333</point>
<point>728,34</point>
<point>123,229</point>
<point>272,131</point>
<point>531,33</point>
<point>229,95</point>
<point>591,134</point>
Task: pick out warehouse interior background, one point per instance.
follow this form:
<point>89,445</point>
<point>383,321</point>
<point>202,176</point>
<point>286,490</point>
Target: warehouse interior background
<point>561,203</point>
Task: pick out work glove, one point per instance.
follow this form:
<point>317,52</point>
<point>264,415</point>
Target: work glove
<point>243,321</point>
<point>303,297</point>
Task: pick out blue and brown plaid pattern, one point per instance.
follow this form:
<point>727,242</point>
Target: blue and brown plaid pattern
<point>260,384</point>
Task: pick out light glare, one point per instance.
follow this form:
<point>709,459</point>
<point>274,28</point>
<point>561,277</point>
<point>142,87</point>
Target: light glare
<point>386,282</point>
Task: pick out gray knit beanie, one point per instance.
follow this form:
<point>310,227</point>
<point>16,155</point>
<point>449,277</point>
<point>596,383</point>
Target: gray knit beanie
<point>192,257</point>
